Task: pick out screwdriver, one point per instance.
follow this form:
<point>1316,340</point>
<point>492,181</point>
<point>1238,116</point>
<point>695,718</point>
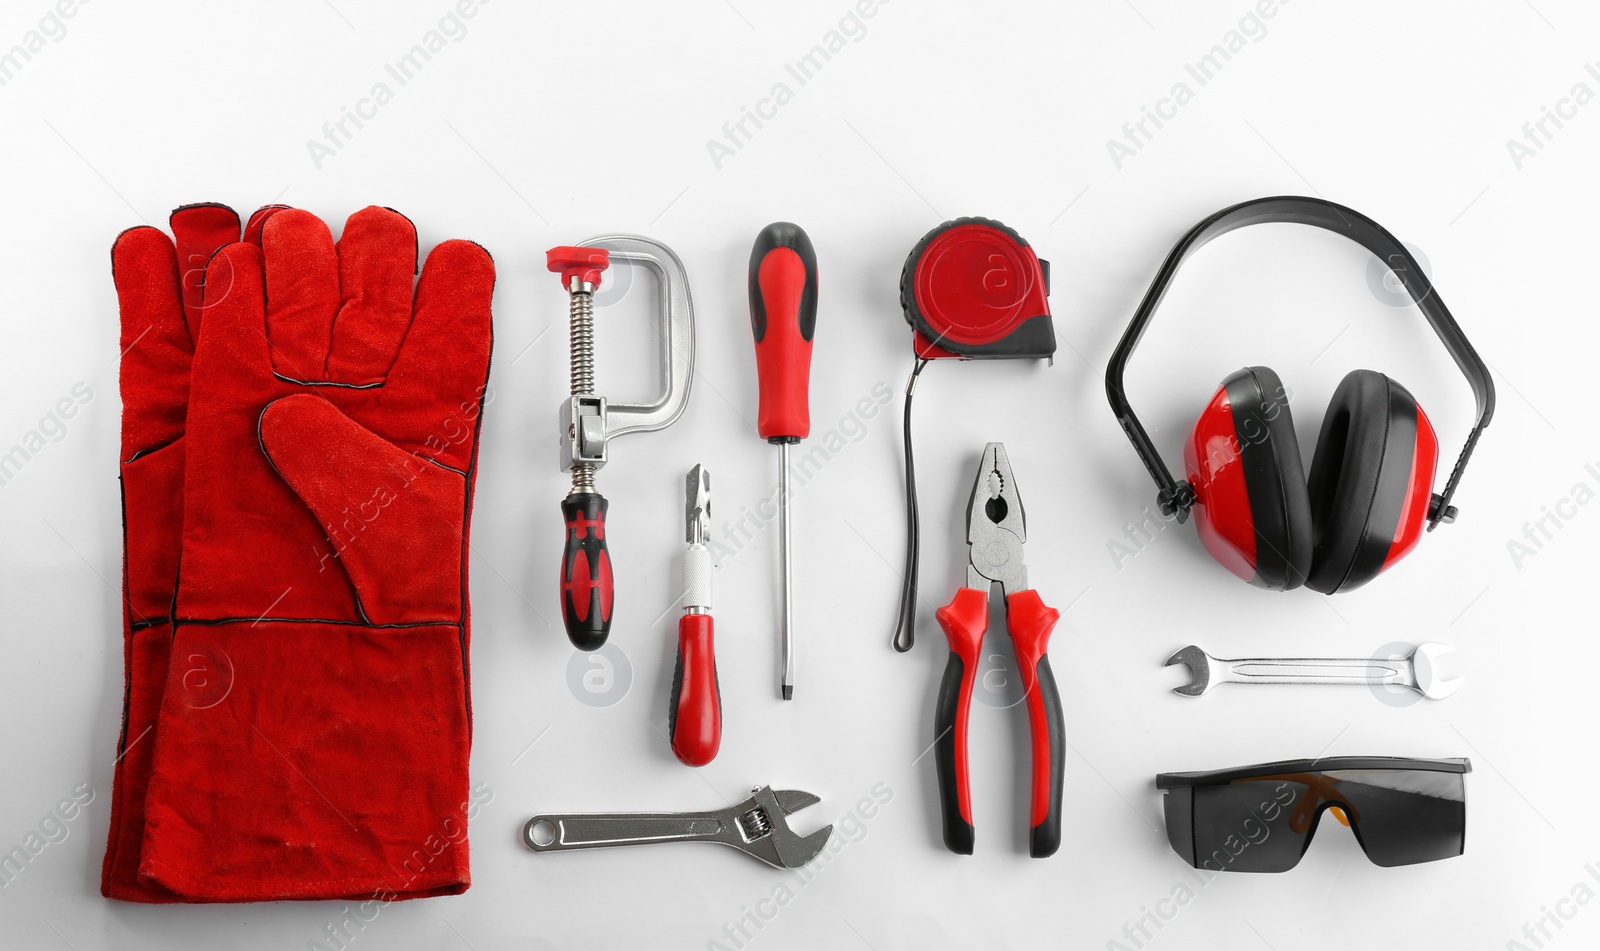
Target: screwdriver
<point>783,316</point>
<point>694,719</point>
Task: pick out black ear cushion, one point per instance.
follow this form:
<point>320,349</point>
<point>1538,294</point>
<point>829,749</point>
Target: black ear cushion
<point>1359,476</point>
<point>1274,477</point>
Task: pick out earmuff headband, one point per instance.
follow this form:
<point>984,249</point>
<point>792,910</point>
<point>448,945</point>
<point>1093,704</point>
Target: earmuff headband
<point>1177,497</point>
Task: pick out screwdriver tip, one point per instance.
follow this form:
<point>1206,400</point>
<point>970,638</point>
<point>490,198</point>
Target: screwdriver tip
<point>788,691</point>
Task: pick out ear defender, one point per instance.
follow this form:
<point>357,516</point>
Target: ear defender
<point>1363,508</point>
<point>1369,493</point>
<point>1250,504</point>
<point>1370,481</point>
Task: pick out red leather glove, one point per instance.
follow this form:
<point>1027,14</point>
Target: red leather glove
<point>331,440</point>
<point>159,295</point>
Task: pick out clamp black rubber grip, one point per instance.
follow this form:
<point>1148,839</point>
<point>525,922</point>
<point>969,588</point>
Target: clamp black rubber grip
<point>587,588</point>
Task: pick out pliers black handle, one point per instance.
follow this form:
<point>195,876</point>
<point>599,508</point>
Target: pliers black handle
<point>1029,622</point>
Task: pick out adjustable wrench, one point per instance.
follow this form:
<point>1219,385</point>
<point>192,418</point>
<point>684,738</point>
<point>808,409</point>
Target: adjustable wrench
<point>756,826</point>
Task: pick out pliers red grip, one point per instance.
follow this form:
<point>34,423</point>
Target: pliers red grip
<point>995,535</point>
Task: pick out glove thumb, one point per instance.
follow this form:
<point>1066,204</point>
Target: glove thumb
<point>390,516</point>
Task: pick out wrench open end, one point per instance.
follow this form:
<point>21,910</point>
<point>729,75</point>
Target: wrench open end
<point>1199,664</point>
<point>1425,668</point>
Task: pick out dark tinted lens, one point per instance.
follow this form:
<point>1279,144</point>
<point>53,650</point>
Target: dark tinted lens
<point>1404,816</point>
<point>1249,826</point>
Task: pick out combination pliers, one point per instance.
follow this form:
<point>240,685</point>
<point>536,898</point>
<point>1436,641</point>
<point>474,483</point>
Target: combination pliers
<point>996,531</point>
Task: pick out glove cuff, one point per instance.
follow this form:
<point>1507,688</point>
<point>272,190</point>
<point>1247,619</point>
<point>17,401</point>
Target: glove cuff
<point>310,760</point>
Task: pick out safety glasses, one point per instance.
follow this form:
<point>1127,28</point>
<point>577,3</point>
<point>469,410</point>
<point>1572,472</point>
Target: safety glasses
<point>1261,818</point>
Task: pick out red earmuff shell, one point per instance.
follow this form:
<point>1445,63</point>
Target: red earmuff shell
<point>1213,464</point>
<point>1419,494</point>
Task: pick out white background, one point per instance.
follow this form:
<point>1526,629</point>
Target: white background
<point>542,126</point>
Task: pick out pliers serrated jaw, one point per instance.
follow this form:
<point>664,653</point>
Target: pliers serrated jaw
<point>996,526</point>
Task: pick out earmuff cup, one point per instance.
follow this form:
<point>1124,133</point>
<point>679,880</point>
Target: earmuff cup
<point>1274,478</point>
<point>1243,460</point>
<point>1361,483</point>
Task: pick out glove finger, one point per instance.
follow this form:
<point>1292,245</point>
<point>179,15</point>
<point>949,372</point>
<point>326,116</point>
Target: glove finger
<point>258,220</point>
<point>393,518</point>
<point>377,261</point>
<point>440,376</point>
<point>302,283</point>
<point>233,361</point>
<point>160,292</point>
<point>156,347</point>
<point>199,230</point>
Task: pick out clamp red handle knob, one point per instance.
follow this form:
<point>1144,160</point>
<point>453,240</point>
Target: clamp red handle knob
<point>581,264</point>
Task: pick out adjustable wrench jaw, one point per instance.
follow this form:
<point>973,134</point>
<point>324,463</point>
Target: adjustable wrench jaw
<point>996,526</point>
<point>775,844</point>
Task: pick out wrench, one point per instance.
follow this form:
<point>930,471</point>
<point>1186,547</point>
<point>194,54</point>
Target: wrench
<point>1418,670</point>
<point>755,826</point>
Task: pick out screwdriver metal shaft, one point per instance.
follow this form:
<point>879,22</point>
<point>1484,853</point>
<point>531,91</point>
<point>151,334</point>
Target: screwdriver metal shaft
<point>786,567</point>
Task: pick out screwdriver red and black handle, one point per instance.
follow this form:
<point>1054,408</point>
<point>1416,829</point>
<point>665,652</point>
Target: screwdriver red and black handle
<point>1029,622</point>
<point>783,317</point>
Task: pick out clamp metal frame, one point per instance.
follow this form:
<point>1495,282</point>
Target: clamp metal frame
<point>589,423</point>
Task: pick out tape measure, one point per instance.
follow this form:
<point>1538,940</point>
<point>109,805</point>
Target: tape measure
<point>973,289</point>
